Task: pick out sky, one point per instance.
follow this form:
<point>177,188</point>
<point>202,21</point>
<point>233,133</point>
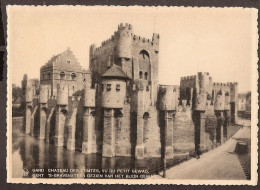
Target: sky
<point>220,41</point>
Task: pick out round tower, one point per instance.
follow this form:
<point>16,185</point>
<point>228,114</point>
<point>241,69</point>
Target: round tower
<point>63,95</point>
<point>113,93</point>
<point>227,101</point>
<point>29,92</point>
<point>156,40</point>
<point>200,101</point>
<point>44,94</point>
<point>204,80</point>
<point>219,101</point>
<point>114,87</point>
<point>124,40</point>
<point>89,96</point>
<point>167,97</point>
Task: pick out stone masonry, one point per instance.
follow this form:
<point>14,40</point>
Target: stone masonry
<point>117,107</point>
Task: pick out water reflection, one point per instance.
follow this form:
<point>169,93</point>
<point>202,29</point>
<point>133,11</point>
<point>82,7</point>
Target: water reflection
<point>43,159</point>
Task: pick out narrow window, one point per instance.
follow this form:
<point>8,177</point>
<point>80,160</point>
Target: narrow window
<point>108,87</point>
<point>68,62</point>
<point>118,87</point>
<point>146,75</point>
<point>141,75</point>
<point>49,75</point>
<point>73,88</point>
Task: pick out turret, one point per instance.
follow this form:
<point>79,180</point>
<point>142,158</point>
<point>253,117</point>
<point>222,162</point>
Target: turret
<point>29,92</point>
<point>44,92</point>
<point>89,96</point>
<point>155,41</point>
<point>233,91</point>
<point>200,100</point>
<point>204,80</point>
<point>124,41</point>
<point>227,101</point>
<point>114,87</point>
<point>167,97</point>
<point>219,104</point>
<point>63,95</point>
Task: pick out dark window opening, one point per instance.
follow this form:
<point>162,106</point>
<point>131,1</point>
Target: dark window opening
<point>49,75</point>
<point>62,75</point>
<point>146,115</point>
<point>108,87</point>
<point>68,62</point>
<point>141,75</point>
<point>146,75</point>
<point>73,76</point>
<point>118,87</point>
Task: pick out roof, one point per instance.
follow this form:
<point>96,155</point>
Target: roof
<point>115,72</point>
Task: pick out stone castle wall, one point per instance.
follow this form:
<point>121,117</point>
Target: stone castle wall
<point>128,114</point>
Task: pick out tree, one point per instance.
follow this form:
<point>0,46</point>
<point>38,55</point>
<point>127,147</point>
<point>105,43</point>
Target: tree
<point>210,126</point>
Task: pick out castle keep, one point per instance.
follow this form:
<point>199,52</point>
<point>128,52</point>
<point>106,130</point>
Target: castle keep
<point>122,110</point>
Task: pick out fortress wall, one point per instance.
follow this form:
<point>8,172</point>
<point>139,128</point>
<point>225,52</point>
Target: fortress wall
<point>183,131</point>
<point>122,133</point>
<point>151,137</point>
<point>103,56</point>
<point>187,82</point>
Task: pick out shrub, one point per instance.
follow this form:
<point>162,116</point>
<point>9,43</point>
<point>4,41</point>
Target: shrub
<point>210,126</point>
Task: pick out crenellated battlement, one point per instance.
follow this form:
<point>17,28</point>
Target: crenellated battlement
<point>125,26</point>
<point>220,84</point>
<point>188,77</point>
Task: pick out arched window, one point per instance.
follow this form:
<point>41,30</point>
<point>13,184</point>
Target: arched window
<point>146,115</point>
<point>62,75</point>
<point>145,75</point>
<point>140,75</point>
<point>73,76</point>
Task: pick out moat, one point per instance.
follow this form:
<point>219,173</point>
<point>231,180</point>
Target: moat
<point>45,160</point>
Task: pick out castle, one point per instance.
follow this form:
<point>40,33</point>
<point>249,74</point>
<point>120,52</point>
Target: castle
<point>123,111</point>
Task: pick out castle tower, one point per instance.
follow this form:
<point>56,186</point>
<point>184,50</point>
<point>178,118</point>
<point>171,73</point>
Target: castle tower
<point>61,113</point>
<point>89,144</point>
<point>44,94</point>
<point>28,112</point>
<point>167,102</point>
<point>124,41</point>
<point>233,101</point>
<point>219,107</point>
<point>113,96</point>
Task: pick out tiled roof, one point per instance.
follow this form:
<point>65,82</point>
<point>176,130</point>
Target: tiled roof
<point>115,72</point>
